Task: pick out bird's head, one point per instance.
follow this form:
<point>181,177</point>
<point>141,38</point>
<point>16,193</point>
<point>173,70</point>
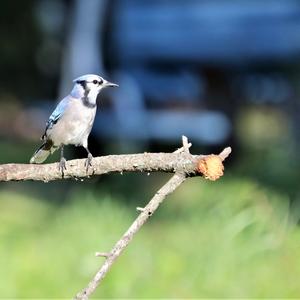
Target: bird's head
<point>88,86</point>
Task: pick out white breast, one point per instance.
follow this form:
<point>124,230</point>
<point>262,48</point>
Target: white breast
<point>74,126</point>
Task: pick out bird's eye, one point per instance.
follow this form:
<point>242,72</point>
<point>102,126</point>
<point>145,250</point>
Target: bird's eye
<point>95,81</point>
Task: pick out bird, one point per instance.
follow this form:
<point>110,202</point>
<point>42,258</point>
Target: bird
<point>72,120</point>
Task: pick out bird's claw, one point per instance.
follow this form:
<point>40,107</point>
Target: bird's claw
<point>88,162</point>
<point>62,166</point>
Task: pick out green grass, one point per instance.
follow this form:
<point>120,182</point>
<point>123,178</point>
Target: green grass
<point>231,238</point>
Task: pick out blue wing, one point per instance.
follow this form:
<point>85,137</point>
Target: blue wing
<point>56,115</point>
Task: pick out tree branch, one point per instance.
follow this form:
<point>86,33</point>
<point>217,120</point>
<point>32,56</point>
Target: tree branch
<point>148,210</point>
<point>146,162</point>
<point>209,165</point>
<point>180,162</point>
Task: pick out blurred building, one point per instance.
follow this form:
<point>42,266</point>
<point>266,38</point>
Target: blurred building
<point>184,67</point>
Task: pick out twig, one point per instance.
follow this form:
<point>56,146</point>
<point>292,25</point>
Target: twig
<point>176,180</point>
<point>102,254</point>
<point>185,146</point>
<point>225,153</point>
<point>210,166</point>
<point>140,208</point>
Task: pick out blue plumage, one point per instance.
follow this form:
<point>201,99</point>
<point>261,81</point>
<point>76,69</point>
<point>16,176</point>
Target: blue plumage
<point>56,115</point>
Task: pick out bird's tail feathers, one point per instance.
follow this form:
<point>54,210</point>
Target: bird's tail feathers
<point>41,154</point>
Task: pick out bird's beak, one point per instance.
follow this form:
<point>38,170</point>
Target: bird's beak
<point>110,84</point>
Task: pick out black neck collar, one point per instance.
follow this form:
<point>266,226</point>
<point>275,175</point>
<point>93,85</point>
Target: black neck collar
<point>85,98</point>
<point>87,103</point>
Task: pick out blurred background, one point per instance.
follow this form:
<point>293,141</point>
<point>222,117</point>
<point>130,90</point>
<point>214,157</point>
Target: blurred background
<point>220,72</point>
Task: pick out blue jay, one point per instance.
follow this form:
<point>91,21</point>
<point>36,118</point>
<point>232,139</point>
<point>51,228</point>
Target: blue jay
<point>72,120</point>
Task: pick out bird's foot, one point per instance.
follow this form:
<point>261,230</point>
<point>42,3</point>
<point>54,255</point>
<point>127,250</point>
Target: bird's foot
<point>62,166</point>
<point>88,162</point>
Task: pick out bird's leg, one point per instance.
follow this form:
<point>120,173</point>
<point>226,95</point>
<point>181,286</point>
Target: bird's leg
<point>88,161</point>
<point>62,162</point>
